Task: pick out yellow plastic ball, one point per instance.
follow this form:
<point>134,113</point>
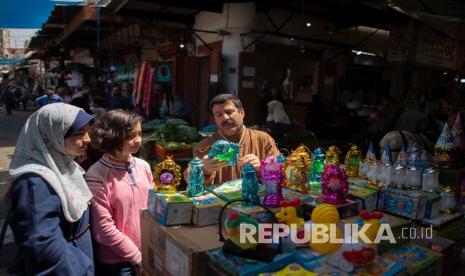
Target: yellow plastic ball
<point>325,213</point>
<point>327,246</point>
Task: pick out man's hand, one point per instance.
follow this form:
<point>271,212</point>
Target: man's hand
<point>252,159</point>
<point>211,165</point>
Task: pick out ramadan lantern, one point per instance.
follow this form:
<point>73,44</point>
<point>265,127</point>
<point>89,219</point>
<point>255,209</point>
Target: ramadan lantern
<point>332,155</point>
<point>271,176</point>
<point>352,161</point>
<point>295,174</point>
<point>249,186</point>
<point>167,176</point>
<point>317,167</point>
<point>334,185</point>
<point>196,178</point>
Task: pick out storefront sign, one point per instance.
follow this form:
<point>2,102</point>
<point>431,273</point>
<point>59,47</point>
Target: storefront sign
<point>248,71</point>
<point>398,45</point>
<point>436,49</point>
<point>213,78</point>
<point>248,84</point>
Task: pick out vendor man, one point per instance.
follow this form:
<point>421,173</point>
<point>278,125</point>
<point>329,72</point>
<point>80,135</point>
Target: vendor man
<point>254,145</point>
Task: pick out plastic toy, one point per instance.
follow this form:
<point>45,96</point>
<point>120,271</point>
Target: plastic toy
<point>288,213</point>
<point>350,254</point>
<point>232,225</point>
<point>224,151</point>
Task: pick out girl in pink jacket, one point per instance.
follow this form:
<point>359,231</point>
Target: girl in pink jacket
<point>119,183</point>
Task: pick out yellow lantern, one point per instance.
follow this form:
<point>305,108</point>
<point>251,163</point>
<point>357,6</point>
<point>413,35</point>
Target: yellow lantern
<point>304,153</point>
<point>295,174</point>
<point>352,161</point>
<point>332,155</point>
<point>167,176</point>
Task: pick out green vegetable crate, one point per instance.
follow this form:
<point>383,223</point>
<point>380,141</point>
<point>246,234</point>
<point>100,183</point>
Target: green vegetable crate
<point>162,152</point>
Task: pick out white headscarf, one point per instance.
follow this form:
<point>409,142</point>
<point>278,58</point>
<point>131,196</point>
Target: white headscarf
<point>40,149</point>
<point>276,113</point>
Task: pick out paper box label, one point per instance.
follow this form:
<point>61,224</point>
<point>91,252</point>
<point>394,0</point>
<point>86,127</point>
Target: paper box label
<point>177,263</point>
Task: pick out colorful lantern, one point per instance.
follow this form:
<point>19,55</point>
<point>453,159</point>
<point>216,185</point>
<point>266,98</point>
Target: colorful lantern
<point>196,178</point>
<point>332,155</point>
<point>295,174</point>
<point>352,161</point>
<point>249,186</point>
<point>271,175</point>
<point>334,185</point>
<point>304,153</point>
<point>317,167</point>
<point>167,176</point>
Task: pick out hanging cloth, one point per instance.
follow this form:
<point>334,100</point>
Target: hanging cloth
<point>140,84</point>
<point>164,73</point>
<point>148,89</point>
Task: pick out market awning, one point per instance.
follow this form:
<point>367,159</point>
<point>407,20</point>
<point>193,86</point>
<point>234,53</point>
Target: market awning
<point>29,14</point>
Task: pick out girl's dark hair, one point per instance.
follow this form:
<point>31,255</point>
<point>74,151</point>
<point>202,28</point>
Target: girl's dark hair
<point>112,128</point>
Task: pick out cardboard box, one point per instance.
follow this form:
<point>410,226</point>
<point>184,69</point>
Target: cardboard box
<point>416,259</point>
<point>367,198</point>
<point>406,203</point>
<point>225,264</point>
<point>380,266</point>
<point>396,224</point>
<point>433,205</point>
<point>256,212</point>
<point>447,248</point>
<point>362,182</point>
<point>348,209</point>
<point>229,191</point>
<point>445,225</point>
<point>232,190</point>
<point>206,210</point>
<point>178,251</point>
<point>170,209</point>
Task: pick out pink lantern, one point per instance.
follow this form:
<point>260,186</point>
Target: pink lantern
<point>334,185</point>
<point>271,175</point>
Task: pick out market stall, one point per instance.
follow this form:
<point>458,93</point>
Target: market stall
<point>412,223</point>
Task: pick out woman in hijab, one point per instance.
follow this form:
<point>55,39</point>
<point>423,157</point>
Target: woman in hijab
<point>49,196</point>
<point>277,121</point>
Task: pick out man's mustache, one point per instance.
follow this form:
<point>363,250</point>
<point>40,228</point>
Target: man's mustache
<point>227,122</point>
